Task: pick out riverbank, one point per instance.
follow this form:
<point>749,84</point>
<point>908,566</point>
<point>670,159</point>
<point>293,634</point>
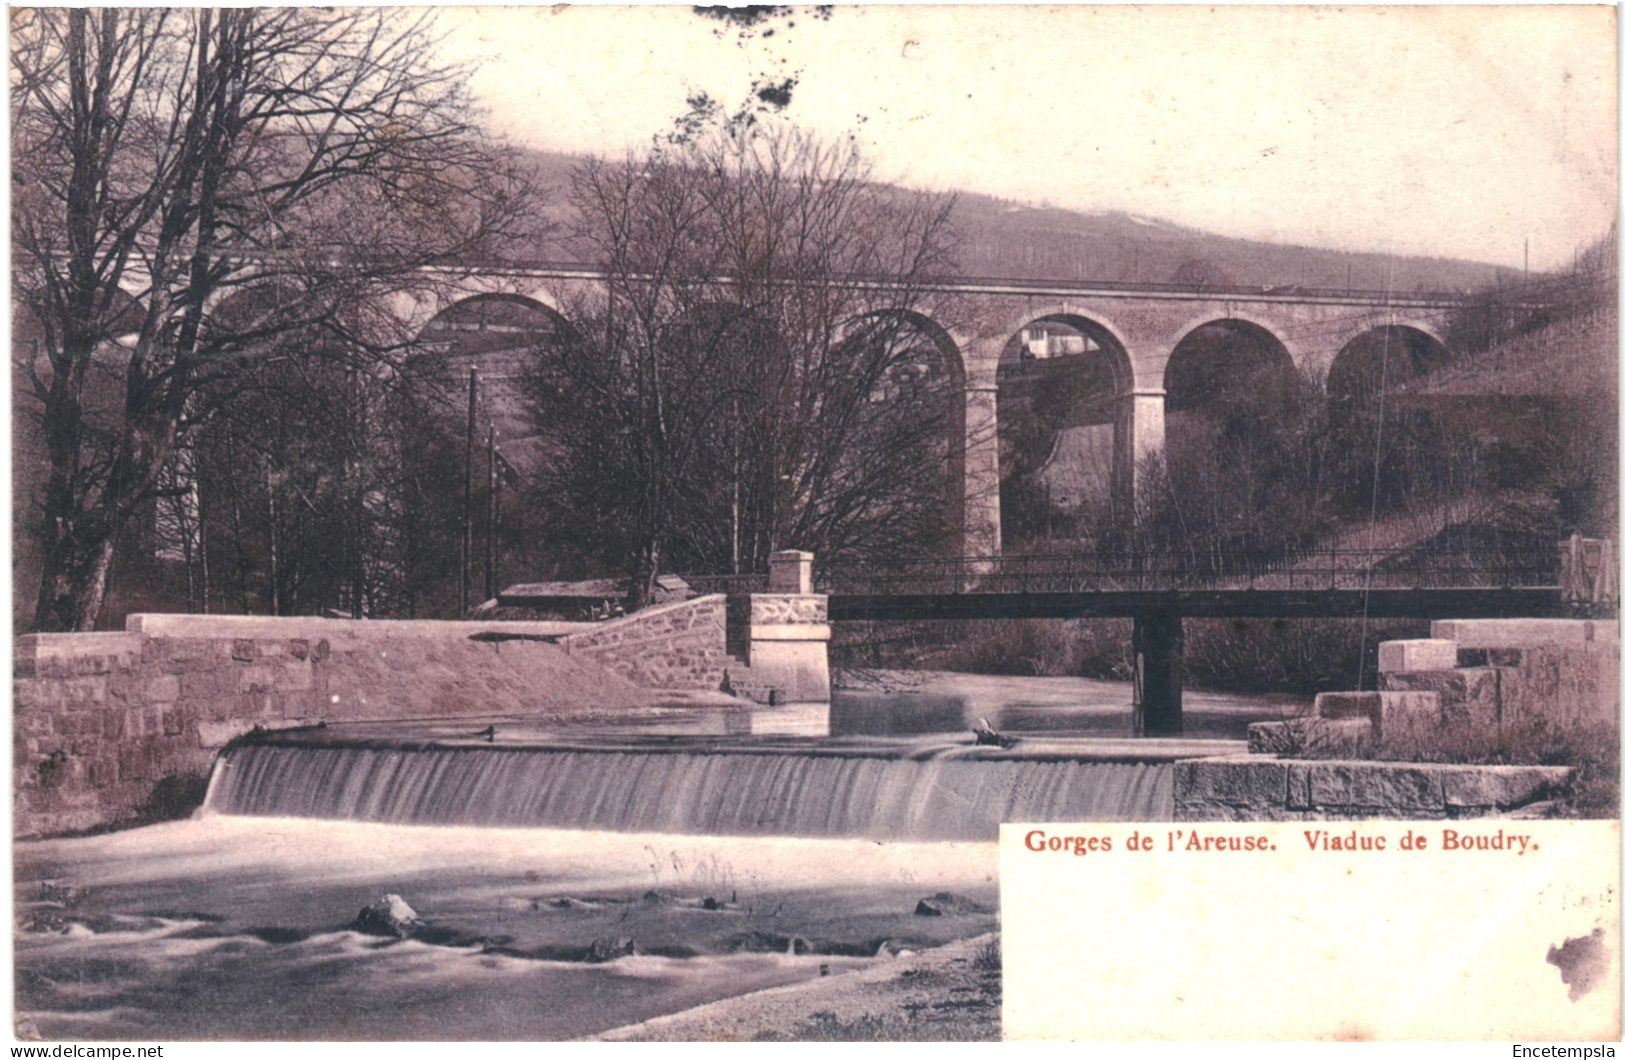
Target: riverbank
<point>951,993</point>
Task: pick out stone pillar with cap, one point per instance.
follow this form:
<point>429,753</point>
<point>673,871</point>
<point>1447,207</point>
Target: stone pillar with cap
<point>789,631</point>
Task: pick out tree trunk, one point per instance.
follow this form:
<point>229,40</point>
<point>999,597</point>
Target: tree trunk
<point>93,592</point>
<point>73,585</point>
<point>203,546</point>
<point>271,529</point>
<point>641,593</point>
<point>56,609</point>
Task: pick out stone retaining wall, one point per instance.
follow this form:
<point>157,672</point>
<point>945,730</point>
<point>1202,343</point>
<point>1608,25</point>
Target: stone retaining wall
<point>679,646</point>
<point>1472,689</point>
<point>1266,788</point>
<point>105,725</point>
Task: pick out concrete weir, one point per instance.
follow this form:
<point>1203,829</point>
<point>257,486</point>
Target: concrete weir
<point>113,728</point>
<point>791,788</point>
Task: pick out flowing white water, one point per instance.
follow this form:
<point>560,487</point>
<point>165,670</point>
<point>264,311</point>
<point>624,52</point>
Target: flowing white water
<point>948,796</point>
<point>235,927</point>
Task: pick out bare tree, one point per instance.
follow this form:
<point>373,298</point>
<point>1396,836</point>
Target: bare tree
<point>167,160</point>
<point>313,490</point>
<point>767,368</point>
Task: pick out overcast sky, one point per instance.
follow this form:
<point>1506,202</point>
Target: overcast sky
<point>1455,131</point>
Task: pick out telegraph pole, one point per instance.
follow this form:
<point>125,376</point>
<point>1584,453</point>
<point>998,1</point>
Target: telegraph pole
<point>468,483</point>
<point>491,512</point>
<point>734,526</point>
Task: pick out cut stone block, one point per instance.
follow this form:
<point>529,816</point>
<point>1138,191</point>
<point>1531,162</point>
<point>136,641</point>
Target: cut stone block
<point>1219,811</point>
<point>1474,657</point>
<point>1525,632</point>
<point>1312,737</point>
<point>1468,697</point>
<point>1502,787</point>
<point>1338,706</point>
<point>1368,786</point>
<point>1232,781</point>
<point>1562,685</point>
<point>1436,654</point>
<point>790,571</point>
<point>1410,719</point>
<point>1393,715</point>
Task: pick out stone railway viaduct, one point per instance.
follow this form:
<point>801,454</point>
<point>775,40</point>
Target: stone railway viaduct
<point>978,323</point>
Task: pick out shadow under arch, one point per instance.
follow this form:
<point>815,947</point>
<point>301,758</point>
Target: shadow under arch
<point>1064,429</point>
<point>1240,322</point>
<point>1382,359</point>
<point>1233,396</point>
<point>247,314</point>
<point>1398,444</point>
<point>1226,359</point>
<point>880,322</point>
<point>909,366</point>
<point>484,325</point>
<point>502,335</point>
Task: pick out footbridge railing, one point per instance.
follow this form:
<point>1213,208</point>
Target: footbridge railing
<point>1126,571</point>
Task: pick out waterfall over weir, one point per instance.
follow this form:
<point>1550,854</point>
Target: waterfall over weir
<point>952,795</point>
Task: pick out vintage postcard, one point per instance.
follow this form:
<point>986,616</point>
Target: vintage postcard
<point>835,523</point>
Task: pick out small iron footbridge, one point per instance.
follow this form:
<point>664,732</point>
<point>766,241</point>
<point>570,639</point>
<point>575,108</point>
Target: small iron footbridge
<point>1298,583</point>
<point>1158,590</point>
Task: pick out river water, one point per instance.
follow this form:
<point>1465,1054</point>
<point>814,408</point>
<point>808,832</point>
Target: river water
<point>236,924</point>
<point>236,927</point>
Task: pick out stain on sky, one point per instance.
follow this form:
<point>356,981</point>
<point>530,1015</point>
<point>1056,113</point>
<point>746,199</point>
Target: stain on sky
<point>750,18</point>
<point>776,94</point>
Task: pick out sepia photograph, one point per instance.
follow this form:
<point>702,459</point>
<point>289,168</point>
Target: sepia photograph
<point>834,523</point>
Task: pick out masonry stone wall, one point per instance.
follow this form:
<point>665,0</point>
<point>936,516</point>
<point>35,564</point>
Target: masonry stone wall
<point>673,646</point>
<point>774,609</point>
<point>1468,691</point>
<point>1504,679</point>
<point>789,644</point>
<point>1266,788</point>
<point>108,725</point>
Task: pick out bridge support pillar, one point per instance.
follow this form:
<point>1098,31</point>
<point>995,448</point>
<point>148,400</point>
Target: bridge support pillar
<point>1139,433</point>
<point>1159,678</point>
<point>981,510</point>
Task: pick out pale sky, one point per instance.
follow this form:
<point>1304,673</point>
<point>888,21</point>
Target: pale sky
<point>1450,130</point>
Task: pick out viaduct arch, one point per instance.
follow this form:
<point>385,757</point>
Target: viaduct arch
<point>1140,342</point>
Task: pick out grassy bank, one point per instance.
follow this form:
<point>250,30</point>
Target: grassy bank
<point>1225,655</point>
<point>1589,747</point>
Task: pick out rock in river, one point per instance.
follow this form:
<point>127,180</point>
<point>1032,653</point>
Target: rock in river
<point>609,949</point>
<point>390,917</point>
<point>945,904</point>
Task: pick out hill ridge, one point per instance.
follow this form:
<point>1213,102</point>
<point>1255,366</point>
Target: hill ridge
<point>1019,240</point>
